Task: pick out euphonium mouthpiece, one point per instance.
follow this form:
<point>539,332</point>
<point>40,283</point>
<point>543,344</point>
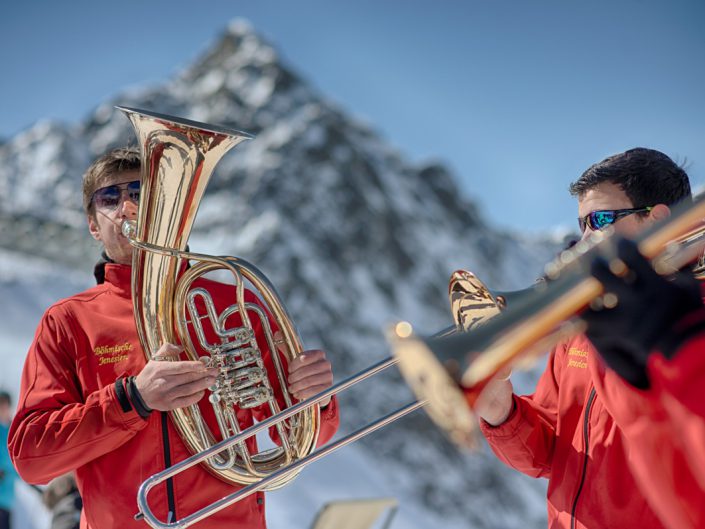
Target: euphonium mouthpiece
<point>129,229</point>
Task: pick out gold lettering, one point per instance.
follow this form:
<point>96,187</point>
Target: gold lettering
<point>111,354</point>
<point>111,359</point>
<point>112,349</point>
<point>578,364</point>
<point>577,352</point>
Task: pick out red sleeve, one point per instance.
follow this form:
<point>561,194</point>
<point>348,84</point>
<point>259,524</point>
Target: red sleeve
<point>330,420</point>
<point>525,441</point>
<point>664,446</point>
<point>55,430</point>
<point>683,375</point>
<point>668,472</point>
<point>679,383</point>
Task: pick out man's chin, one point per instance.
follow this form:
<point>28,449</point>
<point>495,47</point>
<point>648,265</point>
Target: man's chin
<point>124,256</point>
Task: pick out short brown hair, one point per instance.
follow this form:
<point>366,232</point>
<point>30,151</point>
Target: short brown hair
<point>648,177</point>
<point>122,160</point>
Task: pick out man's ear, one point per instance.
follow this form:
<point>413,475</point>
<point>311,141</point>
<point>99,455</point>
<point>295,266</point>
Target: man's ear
<point>93,227</point>
<point>660,212</point>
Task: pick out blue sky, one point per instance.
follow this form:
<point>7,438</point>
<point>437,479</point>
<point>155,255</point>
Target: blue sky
<point>516,97</point>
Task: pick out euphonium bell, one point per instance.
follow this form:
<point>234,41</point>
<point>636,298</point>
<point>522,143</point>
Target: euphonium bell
<point>178,158</point>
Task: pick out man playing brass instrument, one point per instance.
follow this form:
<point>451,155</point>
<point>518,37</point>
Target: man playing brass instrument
<point>90,401</point>
<point>583,427</point>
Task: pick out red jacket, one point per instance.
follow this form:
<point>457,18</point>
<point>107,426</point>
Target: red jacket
<point>565,432</point>
<point>665,427</point>
<point>69,417</point>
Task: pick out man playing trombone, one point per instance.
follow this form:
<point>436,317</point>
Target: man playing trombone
<point>573,429</point>
<point>90,402</point>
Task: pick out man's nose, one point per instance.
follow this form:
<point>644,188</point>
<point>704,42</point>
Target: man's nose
<point>128,207</point>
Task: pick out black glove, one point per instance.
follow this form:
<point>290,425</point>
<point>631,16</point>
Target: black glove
<point>648,306</point>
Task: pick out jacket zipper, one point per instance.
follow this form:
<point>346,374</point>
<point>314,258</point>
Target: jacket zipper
<point>586,422</point>
<point>167,462</point>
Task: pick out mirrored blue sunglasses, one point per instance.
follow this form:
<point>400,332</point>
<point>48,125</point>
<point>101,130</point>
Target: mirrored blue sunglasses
<point>598,220</point>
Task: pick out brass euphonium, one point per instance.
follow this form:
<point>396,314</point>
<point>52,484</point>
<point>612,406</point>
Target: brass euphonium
<point>178,158</point>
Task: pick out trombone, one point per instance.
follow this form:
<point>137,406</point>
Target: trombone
<point>147,485</point>
<point>538,321</point>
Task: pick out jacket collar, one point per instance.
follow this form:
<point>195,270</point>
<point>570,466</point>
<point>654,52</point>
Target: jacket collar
<point>99,268</point>
<point>119,276</point>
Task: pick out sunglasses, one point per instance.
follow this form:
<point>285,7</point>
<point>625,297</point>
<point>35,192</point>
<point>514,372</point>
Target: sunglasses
<point>109,197</point>
<point>598,220</point>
